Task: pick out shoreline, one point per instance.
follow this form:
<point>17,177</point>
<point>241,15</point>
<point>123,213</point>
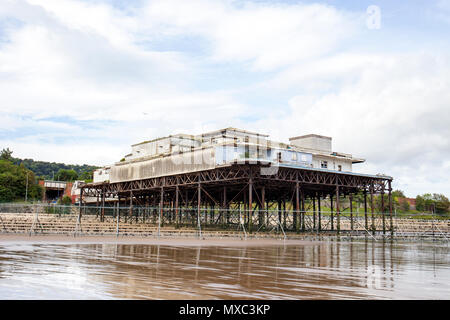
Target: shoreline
<point>183,240</point>
<point>169,241</point>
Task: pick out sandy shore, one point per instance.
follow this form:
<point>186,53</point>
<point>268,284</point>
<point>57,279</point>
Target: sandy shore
<point>173,241</point>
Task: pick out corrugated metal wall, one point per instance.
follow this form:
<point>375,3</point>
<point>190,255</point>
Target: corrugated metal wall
<point>199,160</point>
<point>176,164</point>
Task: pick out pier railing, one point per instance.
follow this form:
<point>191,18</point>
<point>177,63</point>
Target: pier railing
<point>202,222</point>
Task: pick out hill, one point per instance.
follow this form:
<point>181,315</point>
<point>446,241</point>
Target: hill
<point>49,170</point>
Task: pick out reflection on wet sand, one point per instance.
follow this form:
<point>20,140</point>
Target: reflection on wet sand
<point>320,270</point>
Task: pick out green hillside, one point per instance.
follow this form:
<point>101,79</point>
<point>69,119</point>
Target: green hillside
<point>53,170</point>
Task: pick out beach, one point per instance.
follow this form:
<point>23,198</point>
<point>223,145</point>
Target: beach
<point>109,267</point>
<point>167,241</point>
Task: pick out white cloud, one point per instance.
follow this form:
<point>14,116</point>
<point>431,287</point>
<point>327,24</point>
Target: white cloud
<point>47,70</point>
<point>394,112</point>
<point>97,19</point>
<point>82,60</point>
<point>266,36</point>
<point>104,71</point>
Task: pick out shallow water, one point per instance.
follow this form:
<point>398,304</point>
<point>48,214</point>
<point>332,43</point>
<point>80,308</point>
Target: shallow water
<point>320,270</point>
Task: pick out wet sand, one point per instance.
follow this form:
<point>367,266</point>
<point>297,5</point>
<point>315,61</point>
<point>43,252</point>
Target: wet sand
<point>167,241</point>
<point>102,267</point>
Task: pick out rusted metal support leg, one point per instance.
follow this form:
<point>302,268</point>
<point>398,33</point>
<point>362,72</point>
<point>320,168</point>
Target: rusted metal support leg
<point>372,208</point>
<point>338,213</point>
<point>118,207</point>
<point>153,209</point>
<point>390,209</point>
<point>250,205</point>
<point>161,212</point>
<point>80,203</point>
<point>144,209</point>
<point>226,212</point>
<point>186,204</point>
<point>245,205</point>
<point>297,206</point>
<point>263,205</point>
<point>366,222</point>
<point>103,205</point>
<point>170,210</point>
<point>331,213</point>
<point>97,210</point>
<point>177,209</point>
<point>319,225</point>
<point>279,214</point>
<point>313,198</point>
<point>302,194</point>
<point>382,211</point>
<point>351,211</point>
<point>199,200</point>
<point>117,219</point>
<point>138,211</point>
<point>130,214</point>
<point>78,224</point>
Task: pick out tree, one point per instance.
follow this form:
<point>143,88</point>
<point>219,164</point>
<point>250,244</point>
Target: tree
<point>13,183</point>
<point>66,200</point>
<point>442,204</point>
<point>48,170</point>
<point>424,202</point>
<point>433,202</point>
<point>399,201</point>
<point>398,194</point>
<point>86,176</point>
<point>66,175</point>
<point>6,154</point>
<point>404,205</point>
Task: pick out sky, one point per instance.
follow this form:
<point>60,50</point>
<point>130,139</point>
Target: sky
<point>80,81</point>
